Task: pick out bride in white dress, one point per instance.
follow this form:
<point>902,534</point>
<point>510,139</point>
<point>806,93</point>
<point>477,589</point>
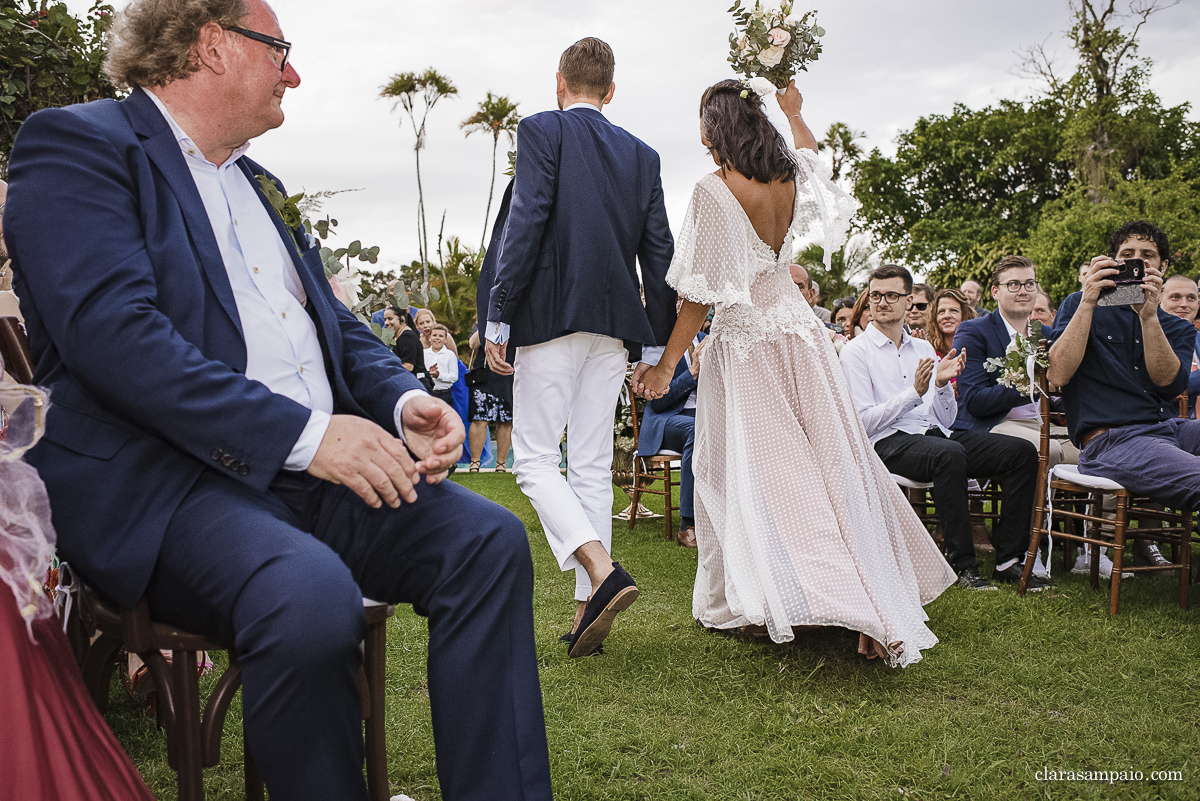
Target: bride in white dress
<point>797,520</point>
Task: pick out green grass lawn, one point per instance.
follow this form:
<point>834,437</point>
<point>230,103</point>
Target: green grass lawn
<point>673,712</point>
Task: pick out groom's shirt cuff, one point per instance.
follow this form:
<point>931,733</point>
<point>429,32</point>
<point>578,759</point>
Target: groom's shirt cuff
<point>497,332</point>
<point>305,449</point>
<point>651,354</point>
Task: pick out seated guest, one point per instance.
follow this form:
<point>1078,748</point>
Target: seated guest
<point>860,316</point>
<point>670,422</point>
<point>822,312</point>
<point>984,404</point>
<point>1120,369</point>
<point>917,318</point>
<point>230,443</point>
<point>441,362</point>
<point>9,307</point>
<point>950,309</point>
<point>843,308</point>
<point>1044,310</point>
<point>903,395</point>
<point>1181,299</point>
<point>809,290</point>
<point>974,293</point>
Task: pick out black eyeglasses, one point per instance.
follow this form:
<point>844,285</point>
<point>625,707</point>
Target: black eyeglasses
<point>277,44</point>
<point>1017,286</point>
<point>892,297</point>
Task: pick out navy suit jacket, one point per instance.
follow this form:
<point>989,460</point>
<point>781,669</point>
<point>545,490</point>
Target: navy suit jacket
<point>982,401</point>
<point>587,202</point>
<point>658,411</point>
<point>135,331</point>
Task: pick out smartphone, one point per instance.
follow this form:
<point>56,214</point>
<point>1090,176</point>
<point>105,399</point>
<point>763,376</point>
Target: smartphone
<point>1129,285</point>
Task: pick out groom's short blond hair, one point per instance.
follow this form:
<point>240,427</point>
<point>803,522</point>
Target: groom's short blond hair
<point>587,66</point>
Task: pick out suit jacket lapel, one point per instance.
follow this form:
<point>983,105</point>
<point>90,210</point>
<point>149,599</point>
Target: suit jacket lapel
<point>163,150</point>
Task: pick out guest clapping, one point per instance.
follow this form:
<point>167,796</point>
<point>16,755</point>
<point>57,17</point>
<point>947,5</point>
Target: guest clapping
<point>950,308</point>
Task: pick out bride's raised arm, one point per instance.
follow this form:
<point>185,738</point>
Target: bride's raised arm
<point>790,101</point>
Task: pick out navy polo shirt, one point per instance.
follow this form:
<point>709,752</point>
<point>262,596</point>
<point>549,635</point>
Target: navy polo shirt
<point>1111,387</point>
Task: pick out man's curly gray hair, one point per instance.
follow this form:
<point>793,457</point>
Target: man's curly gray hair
<point>150,42</point>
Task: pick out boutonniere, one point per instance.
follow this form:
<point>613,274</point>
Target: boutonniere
<point>286,207</point>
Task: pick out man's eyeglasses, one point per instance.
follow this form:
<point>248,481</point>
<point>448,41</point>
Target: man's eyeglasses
<point>277,44</point>
<point>1017,286</point>
<point>891,297</point>
<point>920,306</point>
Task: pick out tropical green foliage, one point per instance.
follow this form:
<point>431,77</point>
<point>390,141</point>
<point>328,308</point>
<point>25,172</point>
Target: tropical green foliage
<point>1048,177</point>
<point>48,58</point>
<point>842,147</point>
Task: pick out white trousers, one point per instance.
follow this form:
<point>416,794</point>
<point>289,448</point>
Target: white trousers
<point>571,383</point>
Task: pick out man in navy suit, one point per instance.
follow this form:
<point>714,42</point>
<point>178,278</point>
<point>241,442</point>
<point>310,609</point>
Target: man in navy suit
<point>587,203</point>
<point>228,441</point>
<point>670,422</point>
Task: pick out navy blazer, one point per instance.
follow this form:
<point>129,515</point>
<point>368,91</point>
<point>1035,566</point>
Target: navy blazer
<point>135,331</point>
<point>587,203</point>
<point>654,419</point>
<point>487,271</point>
<point>982,401</point>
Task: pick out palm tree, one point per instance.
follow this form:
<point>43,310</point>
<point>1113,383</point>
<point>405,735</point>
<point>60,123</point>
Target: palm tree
<point>840,140</point>
<point>404,88</point>
<point>496,116</point>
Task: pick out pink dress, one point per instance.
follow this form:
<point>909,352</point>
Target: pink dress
<point>797,520</point>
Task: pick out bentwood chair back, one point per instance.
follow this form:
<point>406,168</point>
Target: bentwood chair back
<point>649,469</point>
<point>1084,501</point>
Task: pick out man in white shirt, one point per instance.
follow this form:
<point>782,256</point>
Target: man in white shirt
<point>441,362</point>
<point>230,443</point>
<point>905,398</point>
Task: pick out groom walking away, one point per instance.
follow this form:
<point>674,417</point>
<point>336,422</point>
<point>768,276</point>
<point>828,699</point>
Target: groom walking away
<point>229,442</point>
<point>587,201</point>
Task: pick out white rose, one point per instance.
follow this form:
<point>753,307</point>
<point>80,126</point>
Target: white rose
<point>779,37</point>
<point>761,86</point>
<point>348,279</point>
<point>770,57</point>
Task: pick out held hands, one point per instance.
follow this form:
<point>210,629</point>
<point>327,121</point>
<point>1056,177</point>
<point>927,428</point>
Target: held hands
<point>950,366</point>
<point>496,354</point>
<point>652,382</point>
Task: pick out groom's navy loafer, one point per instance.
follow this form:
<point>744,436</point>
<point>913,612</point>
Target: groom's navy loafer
<point>615,595</point>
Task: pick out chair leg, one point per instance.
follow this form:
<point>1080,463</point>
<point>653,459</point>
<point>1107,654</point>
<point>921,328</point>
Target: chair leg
<point>98,664</point>
<point>637,492</point>
<point>1185,561</point>
<point>184,737</point>
<point>374,661</point>
<point>667,499</point>
<point>1118,553</point>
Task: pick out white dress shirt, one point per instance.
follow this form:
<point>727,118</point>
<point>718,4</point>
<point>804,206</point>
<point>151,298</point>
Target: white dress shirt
<point>282,349</point>
<point>1029,411</point>
<point>447,364</point>
<point>880,377</point>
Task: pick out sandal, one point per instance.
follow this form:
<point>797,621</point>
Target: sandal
<point>501,468</point>
<point>474,466</point>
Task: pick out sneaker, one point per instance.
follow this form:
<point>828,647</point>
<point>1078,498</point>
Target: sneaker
<point>969,579</point>
<point>1083,565</point>
<point>1012,575</point>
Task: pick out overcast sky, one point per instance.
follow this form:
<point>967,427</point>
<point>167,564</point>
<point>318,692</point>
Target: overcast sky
<point>885,63</point>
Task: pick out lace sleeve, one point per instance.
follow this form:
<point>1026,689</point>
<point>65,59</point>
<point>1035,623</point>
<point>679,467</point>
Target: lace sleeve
<point>823,211</point>
<point>713,262</point>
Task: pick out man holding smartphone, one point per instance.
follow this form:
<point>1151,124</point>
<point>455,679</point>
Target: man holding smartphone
<point>1121,368</point>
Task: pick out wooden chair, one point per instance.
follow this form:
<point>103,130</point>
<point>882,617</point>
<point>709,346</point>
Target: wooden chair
<point>14,349</point>
<point>649,469</point>
<point>1085,502</point>
<point>99,632</point>
<point>194,730</point>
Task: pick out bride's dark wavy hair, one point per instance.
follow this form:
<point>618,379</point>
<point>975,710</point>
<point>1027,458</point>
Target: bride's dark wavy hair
<point>744,139</point>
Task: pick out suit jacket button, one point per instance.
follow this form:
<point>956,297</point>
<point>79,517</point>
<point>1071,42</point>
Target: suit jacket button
<point>244,470</point>
<point>227,461</point>
<point>217,454</point>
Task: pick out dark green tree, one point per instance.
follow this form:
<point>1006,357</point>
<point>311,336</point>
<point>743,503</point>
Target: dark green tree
<point>843,149</point>
<point>48,58</point>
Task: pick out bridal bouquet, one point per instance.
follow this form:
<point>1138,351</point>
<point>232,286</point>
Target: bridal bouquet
<point>1019,364</point>
<point>771,44</point>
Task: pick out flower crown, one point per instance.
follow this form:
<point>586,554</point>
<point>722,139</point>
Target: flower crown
<point>759,86</point>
